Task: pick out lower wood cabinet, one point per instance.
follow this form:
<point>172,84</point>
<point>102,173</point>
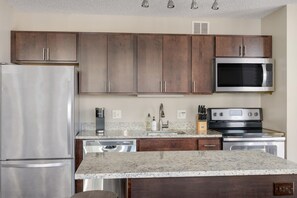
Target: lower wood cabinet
<point>167,144</point>
<point>209,144</point>
<point>261,186</point>
<point>178,144</point>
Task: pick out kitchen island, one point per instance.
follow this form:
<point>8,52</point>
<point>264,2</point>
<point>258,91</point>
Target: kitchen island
<point>195,173</point>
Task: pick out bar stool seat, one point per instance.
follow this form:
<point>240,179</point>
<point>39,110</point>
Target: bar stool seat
<point>95,194</point>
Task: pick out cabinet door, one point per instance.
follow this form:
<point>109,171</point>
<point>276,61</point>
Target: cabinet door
<point>92,62</point>
<point>202,55</point>
<point>209,144</point>
<point>28,46</point>
<point>257,46</point>
<point>176,64</point>
<point>61,47</point>
<point>149,61</point>
<point>167,144</point>
<point>121,63</point>
<point>228,46</point>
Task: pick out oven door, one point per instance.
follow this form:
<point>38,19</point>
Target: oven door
<point>273,147</point>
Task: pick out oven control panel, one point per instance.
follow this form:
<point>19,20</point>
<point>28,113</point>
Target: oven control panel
<point>236,114</point>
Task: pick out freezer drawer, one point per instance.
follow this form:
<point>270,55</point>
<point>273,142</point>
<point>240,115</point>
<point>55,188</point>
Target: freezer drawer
<point>37,179</point>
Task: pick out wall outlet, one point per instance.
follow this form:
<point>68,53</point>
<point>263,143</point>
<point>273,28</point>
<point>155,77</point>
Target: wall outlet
<point>116,114</point>
<point>181,114</point>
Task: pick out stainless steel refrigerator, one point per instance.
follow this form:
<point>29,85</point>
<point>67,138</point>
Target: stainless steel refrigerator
<point>37,131</point>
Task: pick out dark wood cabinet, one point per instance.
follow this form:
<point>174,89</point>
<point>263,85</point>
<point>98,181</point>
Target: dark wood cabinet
<point>243,46</point>
<point>121,63</point>
<point>92,63</point>
<point>202,63</point>
<point>176,64</point>
<point>78,159</point>
<point>43,47</point>
<point>149,61</point>
<point>209,144</point>
<point>166,144</point>
<point>261,186</point>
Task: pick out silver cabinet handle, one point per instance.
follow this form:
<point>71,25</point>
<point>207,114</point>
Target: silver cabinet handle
<point>46,165</point>
<point>165,86</point>
<point>209,145</point>
<point>194,86</point>
<point>161,86</point>
<point>240,50</point>
<point>47,53</point>
<point>69,118</point>
<point>243,51</point>
<point>43,53</point>
<point>108,86</point>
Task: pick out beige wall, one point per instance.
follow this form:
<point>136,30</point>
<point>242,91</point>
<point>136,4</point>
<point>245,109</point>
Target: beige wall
<point>291,82</point>
<point>281,107</point>
<point>6,17</point>
<point>133,108</point>
<point>274,106</point>
<point>74,22</point>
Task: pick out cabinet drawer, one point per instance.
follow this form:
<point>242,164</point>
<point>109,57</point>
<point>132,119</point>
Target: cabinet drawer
<point>167,144</point>
<point>209,144</point>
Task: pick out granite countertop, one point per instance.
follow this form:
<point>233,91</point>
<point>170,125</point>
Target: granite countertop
<point>127,134</point>
<point>182,164</point>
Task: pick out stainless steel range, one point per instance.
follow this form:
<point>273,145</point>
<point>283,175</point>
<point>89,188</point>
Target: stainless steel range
<point>242,130</point>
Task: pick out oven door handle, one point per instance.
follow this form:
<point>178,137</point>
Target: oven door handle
<point>262,139</point>
<point>264,82</point>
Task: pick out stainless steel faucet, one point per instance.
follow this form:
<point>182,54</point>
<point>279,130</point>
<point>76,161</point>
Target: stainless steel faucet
<point>162,115</point>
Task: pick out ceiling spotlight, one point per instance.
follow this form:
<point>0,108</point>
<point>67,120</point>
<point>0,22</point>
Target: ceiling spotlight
<point>170,4</point>
<point>215,5</point>
<point>145,4</point>
<point>194,5</point>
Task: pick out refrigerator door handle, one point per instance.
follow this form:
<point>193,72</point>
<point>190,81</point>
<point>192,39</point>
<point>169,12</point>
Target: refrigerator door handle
<point>69,118</point>
<point>47,165</point>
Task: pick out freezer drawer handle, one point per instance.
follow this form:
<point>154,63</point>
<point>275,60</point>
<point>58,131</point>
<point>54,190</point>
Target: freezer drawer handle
<point>48,165</point>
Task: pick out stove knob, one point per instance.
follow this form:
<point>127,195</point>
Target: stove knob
<point>221,114</point>
<point>214,114</point>
<point>256,114</point>
<point>250,114</point>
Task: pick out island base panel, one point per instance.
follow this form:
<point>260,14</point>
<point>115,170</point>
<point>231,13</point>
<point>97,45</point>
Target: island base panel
<point>222,186</point>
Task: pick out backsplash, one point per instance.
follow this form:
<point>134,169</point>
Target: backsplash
<point>178,125</point>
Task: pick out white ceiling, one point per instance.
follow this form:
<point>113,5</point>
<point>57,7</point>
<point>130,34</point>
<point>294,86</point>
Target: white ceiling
<point>228,8</point>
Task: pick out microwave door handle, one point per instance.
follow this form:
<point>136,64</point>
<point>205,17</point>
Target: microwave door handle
<point>264,82</point>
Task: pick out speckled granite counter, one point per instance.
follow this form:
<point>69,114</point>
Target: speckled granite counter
<point>122,134</point>
<point>182,164</point>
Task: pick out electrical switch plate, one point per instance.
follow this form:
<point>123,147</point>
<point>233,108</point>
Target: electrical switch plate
<point>282,189</point>
<point>116,114</point>
<point>181,114</point>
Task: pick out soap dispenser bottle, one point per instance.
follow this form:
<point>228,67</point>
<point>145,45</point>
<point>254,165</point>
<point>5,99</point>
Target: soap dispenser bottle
<point>154,124</point>
<point>148,123</point>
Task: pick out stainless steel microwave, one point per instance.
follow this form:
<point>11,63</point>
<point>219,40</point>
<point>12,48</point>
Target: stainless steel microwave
<point>244,75</point>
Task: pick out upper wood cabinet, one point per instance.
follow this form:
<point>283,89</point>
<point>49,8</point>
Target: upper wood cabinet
<point>43,47</point>
<point>176,64</point>
<point>92,63</point>
<point>107,63</point>
<point>243,46</point>
<point>121,63</point>
<point>202,63</point>
<point>149,61</point>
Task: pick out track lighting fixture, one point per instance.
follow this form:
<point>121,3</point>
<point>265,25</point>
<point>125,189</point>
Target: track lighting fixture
<point>170,4</point>
<point>215,5</point>
<point>194,4</point>
<point>145,4</point>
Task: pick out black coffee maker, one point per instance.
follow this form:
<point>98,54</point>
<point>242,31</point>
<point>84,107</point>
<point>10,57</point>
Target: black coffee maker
<point>100,120</point>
